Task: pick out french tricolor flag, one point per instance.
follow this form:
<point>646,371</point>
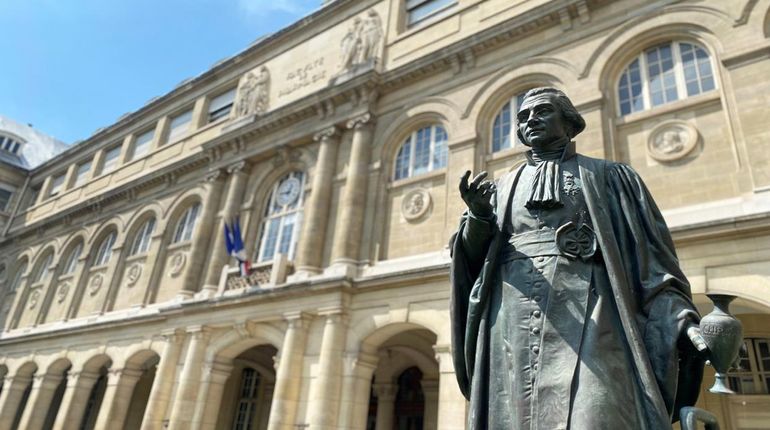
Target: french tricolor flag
<point>234,245</point>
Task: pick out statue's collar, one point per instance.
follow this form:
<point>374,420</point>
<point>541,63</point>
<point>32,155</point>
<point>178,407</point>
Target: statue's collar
<point>567,153</point>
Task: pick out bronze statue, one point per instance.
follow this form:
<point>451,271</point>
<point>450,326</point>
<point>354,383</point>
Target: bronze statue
<point>569,308</point>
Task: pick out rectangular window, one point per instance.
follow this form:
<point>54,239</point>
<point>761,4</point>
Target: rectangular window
<point>83,171</point>
<point>220,106</point>
<point>56,185</point>
<point>110,159</point>
<point>420,10</point>
<point>179,125</point>
<point>5,199</point>
<point>753,377</point>
<point>142,144</point>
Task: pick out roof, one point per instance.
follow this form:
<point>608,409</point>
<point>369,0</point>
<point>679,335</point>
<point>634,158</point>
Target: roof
<point>36,148</point>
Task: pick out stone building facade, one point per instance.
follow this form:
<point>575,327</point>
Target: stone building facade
<point>338,143</point>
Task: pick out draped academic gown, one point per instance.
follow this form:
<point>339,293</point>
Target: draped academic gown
<point>546,340</point>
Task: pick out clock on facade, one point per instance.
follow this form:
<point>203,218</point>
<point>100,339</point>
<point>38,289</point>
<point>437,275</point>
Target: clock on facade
<point>288,191</point>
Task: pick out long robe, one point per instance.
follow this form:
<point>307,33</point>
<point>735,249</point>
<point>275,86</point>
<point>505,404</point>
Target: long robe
<point>649,293</point>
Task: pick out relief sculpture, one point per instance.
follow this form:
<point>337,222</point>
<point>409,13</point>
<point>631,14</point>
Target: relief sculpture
<point>254,93</point>
<point>360,46</point>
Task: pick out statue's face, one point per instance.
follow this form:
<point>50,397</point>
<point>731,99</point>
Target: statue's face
<point>540,121</point>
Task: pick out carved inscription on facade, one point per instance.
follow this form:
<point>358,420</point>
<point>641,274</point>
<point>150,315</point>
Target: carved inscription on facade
<point>303,76</point>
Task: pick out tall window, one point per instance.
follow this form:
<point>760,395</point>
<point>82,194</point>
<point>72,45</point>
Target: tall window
<point>110,159</point>
<point>104,252</point>
<point>186,225</point>
<point>5,198</point>
<point>142,144</point>
<point>247,405</point>
<point>280,227</point>
<point>754,374</point>
<point>504,126</point>
<point>17,276</point>
<point>179,125</point>
<point>82,175</point>
<point>142,239</point>
<point>664,73</point>
<point>424,150</point>
<point>72,259</point>
<point>56,184</point>
<point>42,270</point>
<point>420,10</point>
<point>220,106</point>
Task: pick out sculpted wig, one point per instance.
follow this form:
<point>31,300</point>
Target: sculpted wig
<point>575,122</point>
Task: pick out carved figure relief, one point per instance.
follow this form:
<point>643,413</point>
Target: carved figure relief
<point>361,43</point>
<point>178,261</point>
<point>95,284</point>
<point>571,184</point>
<point>61,293</point>
<point>254,93</point>
<point>34,298</point>
<point>133,274</point>
<point>672,140</point>
<point>415,204</point>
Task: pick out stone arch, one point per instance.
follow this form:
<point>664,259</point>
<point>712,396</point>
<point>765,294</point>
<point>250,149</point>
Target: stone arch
<point>41,257</point>
<point>369,333</point>
<point>69,243</point>
<point>409,357</point>
<point>49,246</point>
<point>24,369</point>
<point>95,362</point>
<point>59,365</point>
<point>114,224</point>
<point>238,340</point>
<point>177,207</point>
<point>136,220</point>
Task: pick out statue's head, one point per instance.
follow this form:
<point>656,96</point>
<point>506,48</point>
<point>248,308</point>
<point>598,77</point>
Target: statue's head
<point>546,115</point>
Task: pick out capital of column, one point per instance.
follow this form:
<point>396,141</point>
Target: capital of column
<point>367,361</point>
<point>444,358</point>
<point>199,332</point>
<point>334,315</point>
<point>326,133</point>
<point>213,176</point>
<point>218,372</point>
<point>237,167</point>
<point>84,375</point>
<point>124,373</point>
<point>385,392</point>
<point>359,121</point>
<point>297,320</point>
<point>173,335</point>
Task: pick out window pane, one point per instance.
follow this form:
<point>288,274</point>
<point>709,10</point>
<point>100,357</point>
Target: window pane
<point>143,237</point>
<point>142,144</point>
<point>421,161</point>
<point>105,250</point>
<point>500,139</point>
<point>220,105</point>
<point>82,175</point>
<point>186,225</point>
<point>287,230</point>
<point>179,125</point>
<point>17,276</point>
<point>271,239</point>
<point>660,71</point>
<point>439,149</point>
<point>110,159</point>
<point>57,184</point>
<point>72,259</point>
<point>403,159</point>
<point>5,198</point>
<point>42,271</point>
<point>418,10</point>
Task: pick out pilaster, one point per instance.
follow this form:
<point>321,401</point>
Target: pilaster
<point>386,401</point>
<point>160,395</point>
<point>451,403</point>
<point>288,380</point>
<point>325,388</point>
<point>189,381</point>
<point>117,396</point>
<point>10,398</point>
<point>75,400</point>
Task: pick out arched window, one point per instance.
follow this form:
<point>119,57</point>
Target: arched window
<point>142,238</point>
<point>283,215</point>
<point>104,252</point>
<point>504,126</point>
<point>72,259</point>
<point>424,150</point>
<point>186,225</point>
<point>247,404</point>
<point>42,270</point>
<point>17,276</point>
<point>664,73</point>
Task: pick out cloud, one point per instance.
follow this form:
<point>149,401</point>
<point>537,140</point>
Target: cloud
<point>265,7</point>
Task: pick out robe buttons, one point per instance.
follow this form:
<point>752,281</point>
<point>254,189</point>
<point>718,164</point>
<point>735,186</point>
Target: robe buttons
<point>534,366</point>
<point>535,330</point>
<point>536,314</point>
<point>536,349</point>
<point>540,259</point>
<point>536,298</point>
<point>537,285</point>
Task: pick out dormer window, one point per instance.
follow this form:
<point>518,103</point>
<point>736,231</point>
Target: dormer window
<point>10,144</point>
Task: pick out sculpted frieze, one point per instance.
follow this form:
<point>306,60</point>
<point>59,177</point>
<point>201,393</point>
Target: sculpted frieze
<point>303,76</point>
<point>253,93</point>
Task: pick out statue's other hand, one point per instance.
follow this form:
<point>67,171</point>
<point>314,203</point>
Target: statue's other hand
<point>477,194</point>
<point>693,332</point>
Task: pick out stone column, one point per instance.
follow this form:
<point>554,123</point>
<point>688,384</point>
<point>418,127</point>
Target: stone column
<point>316,215</point>
<point>203,236</point>
<point>73,404</point>
<point>325,388</point>
<point>430,391</point>
<point>236,183</point>
<point>288,378</point>
<point>43,388</point>
<point>117,396</point>
<point>347,235</point>
<point>160,396</point>
<point>210,396</point>
<point>386,402</point>
<point>364,369</point>
<point>187,391</point>
<point>451,403</point>
<point>10,399</point>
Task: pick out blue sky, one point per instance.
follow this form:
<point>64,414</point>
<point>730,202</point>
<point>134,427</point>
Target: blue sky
<point>70,67</point>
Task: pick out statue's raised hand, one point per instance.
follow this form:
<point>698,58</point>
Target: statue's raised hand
<point>477,194</point>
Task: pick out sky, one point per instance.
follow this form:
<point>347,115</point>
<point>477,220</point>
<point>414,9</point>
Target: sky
<point>69,67</point>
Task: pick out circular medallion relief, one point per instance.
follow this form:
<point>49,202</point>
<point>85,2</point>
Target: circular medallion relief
<point>133,274</point>
<point>178,261</point>
<point>672,140</point>
<point>61,294</point>
<point>95,284</point>
<point>415,204</point>
<point>34,298</point>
